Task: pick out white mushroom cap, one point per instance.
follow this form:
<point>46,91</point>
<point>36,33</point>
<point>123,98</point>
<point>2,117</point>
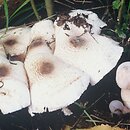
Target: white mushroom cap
<point>81,18</point>
<point>53,83</point>
<point>15,41</point>
<point>14,91</point>
<point>94,54</point>
<point>44,29</point>
<point>14,95</point>
<point>116,107</point>
<point>123,75</point>
<point>125,95</point>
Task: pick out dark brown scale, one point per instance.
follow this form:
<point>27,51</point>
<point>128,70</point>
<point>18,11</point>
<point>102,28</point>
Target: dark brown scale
<point>85,16</point>
<point>46,68</point>
<point>36,42</point>
<point>4,71</point>
<point>10,42</point>
<point>62,19</point>
<point>77,42</point>
<point>66,27</point>
<point>78,21</point>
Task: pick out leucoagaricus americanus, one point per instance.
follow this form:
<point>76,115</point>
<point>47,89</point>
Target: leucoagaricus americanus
<point>14,91</point>
<point>94,54</point>
<point>123,81</point>
<point>53,83</point>
<point>123,75</point>
<point>117,107</point>
<point>44,29</point>
<point>15,42</point>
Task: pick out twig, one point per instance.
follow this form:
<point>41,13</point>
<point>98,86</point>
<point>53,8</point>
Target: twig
<point>90,117</point>
<point>100,7</point>
<point>96,101</point>
<point>82,1</point>
<point>64,4</point>
<point>77,121</point>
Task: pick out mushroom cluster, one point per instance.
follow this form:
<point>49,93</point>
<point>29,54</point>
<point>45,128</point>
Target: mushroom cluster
<point>123,81</point>
<point>48,66</point>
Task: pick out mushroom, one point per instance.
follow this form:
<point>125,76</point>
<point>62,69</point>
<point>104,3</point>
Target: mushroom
<point>15,42</point>
<point>54,84</point>
<point>14,91</point>
<point>44,29</point>
<point>123,81</point>
<point>94,54</point>
<point>79,44</point>
<point>123,75</point>
<point>117,107</point>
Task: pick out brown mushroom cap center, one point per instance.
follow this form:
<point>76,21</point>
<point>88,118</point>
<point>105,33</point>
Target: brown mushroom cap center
<point>36,42</point>
<point>4,71</point>
<point>77,42</point>
<point>10,42</point>
<point>46,68</point>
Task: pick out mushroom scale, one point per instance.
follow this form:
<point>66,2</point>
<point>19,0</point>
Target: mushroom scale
<point>85,20</point>
<point>54,84</point>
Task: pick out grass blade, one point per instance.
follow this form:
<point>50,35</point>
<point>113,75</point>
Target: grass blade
<point>49,7</point>
<point>28,16</point>
<point>19,8</point>
<point>6,13</point>
<point>90,117</point>
<point>35,10</point>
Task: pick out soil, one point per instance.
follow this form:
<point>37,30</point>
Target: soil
<point>95,101</point>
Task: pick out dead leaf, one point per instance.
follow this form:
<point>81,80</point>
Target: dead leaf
<point>100,127</point>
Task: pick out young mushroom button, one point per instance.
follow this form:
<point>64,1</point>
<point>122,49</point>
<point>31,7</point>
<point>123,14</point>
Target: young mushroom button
<point>123,75</point>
